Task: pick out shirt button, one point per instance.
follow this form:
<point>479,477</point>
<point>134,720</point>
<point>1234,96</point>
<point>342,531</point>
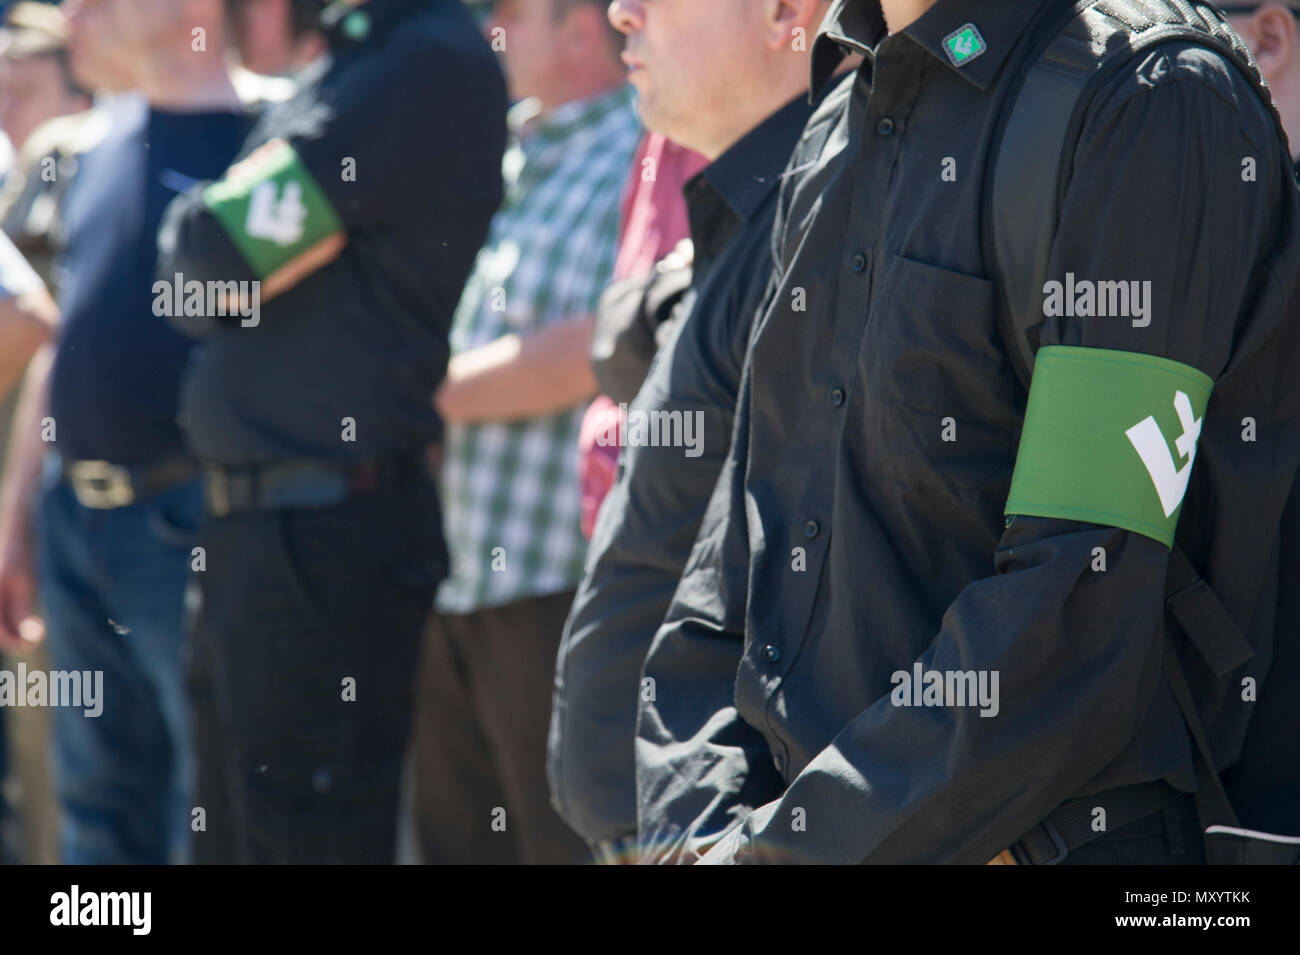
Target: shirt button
<point>771,653</point>
<point>779,762</point>
<point>858,262</point>
<point>837,396</point>
<point>811,529</point>
<point>885,127</point>
<point>322,780</point>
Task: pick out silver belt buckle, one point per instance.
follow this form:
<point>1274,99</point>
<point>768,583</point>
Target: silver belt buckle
<point>216,491</point>
<point>101,485</point>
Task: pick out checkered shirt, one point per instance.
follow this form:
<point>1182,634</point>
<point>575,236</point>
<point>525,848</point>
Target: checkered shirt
<point>510,491</point>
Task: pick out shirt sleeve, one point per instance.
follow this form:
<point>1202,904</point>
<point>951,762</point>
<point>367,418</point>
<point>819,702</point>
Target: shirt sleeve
<point>1077,652</point>
<point>361,151</point>
<point>642,541</point>
<point>700,768</point>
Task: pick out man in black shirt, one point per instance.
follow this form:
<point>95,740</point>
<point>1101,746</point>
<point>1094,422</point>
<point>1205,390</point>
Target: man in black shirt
<point>854,570</point>
<point>738,96</point>
<point>325,265</point>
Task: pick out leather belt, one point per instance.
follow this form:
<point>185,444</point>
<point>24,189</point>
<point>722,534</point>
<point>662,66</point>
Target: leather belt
<point>297,484</point>
<point>103,485</point>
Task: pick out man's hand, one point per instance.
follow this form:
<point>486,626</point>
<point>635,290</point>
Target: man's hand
<point>20,630</point>
<point>726,851</point>
<point>516,377</point>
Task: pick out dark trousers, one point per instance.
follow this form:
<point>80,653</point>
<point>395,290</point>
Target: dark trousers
<point>480,737</point>
<point>305,645</point>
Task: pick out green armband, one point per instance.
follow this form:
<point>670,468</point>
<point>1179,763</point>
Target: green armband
<point>272,208</point>
<point>1109,438</point>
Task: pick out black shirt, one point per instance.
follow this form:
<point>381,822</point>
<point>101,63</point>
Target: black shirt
<point>117,371</point>
<point>648,521</point>
<point>403,134</point>
<point>847,540</point>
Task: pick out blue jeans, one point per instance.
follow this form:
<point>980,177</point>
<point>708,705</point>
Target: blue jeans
<point>112,589</point>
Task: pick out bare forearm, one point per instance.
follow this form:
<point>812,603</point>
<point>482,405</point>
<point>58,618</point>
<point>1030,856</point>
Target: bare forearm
<point>514,377</point>
<point>26,448</point>
<point>26,323</point>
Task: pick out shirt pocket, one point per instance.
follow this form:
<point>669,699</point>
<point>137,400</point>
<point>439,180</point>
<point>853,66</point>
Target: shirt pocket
<point>938,391</point>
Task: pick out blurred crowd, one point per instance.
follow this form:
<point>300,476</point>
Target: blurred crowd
<point>114,107</point>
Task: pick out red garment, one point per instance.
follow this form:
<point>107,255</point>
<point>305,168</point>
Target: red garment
<point>654,221</point>
<point>598,456</point>
<point>654,212</point>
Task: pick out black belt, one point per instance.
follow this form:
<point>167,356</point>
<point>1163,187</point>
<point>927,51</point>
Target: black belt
<point>1070,825</point>
<point>103,485</point>
<point>298,484</point>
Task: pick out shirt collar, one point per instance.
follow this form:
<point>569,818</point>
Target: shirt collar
<point>746,173</point>
<point>850,27</point>
<point>858,26</point>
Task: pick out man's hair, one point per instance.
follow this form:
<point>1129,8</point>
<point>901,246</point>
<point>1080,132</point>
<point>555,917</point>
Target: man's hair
<point>304,17</point>
<point>37,30</point>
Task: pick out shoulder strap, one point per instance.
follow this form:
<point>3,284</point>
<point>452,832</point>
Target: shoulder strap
<point>1032,163</point>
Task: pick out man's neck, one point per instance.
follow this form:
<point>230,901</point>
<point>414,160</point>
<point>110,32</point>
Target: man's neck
<point>900,14</point>
<point>189,83</point>
<point>579,88</point>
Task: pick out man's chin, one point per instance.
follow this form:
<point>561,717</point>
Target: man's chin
<point>654,118</point>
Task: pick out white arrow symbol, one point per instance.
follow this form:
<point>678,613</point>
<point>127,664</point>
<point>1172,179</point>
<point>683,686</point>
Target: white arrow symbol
<point>1149,441</point>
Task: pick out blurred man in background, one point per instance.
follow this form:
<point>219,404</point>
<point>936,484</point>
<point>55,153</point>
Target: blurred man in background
<point>44,112</point>
<point>730,80</point>
<point>514,397</point>
<point>120,499</point>
<point>276,37</point>
<point>349,223</point>
<point>36,80</point>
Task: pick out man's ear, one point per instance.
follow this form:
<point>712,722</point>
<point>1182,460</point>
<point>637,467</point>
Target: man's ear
<point>1272,31</point>
<point>792,24</point>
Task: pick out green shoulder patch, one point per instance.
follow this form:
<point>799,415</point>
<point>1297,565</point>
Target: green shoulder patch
<point>272,207</point>
<point>1109,438</point>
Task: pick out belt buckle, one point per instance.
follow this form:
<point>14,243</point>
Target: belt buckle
<point>101,485</point>
<point>1058,843</point>
<point>216,491</point>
